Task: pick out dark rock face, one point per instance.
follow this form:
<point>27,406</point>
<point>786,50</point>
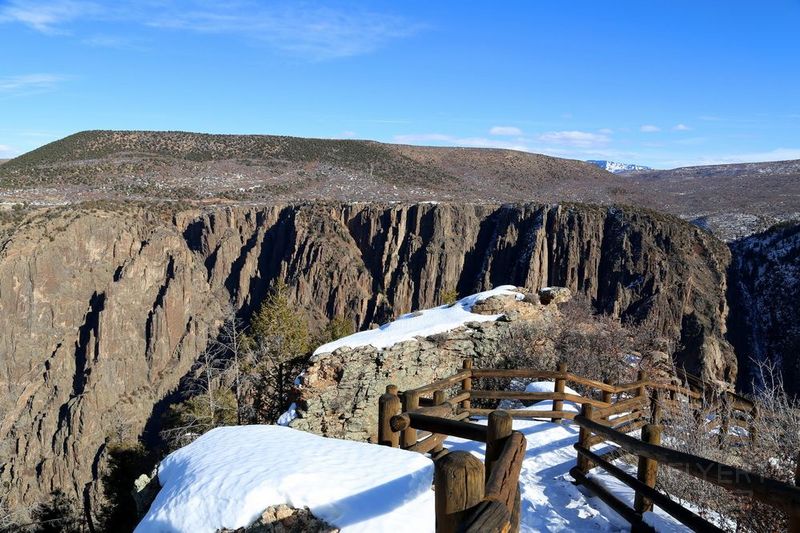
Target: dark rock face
<point>104,312</point>
<point>765,294</point>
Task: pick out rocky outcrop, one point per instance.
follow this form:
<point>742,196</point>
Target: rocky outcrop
<point>284,519</point>
<point>338,393</point>
<point>103,312</point>
<point>765,295</point>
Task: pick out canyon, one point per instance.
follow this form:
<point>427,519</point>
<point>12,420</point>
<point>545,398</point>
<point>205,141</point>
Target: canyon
<point>105,310</point>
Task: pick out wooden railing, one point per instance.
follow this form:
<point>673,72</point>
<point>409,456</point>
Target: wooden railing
<point>475,497</point>
<point>651,456</point>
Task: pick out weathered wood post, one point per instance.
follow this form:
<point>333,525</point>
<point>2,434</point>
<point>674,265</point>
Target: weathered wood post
<point>410,403</point>
<point>499,430</point>
<point>607,396</point>
<point>648,468</point>
<point>438,399</point>
<point>794,517</point>
<point>458,486</point>
<point>725,413</point>
<point>642,389</point>
<point>752,430</point>
<point>655,407</point>
<point>466,384</point>
<point>388,406</point>
<point>558,405</point>
<point>584,465</point>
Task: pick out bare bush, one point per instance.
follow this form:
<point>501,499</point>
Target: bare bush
<point>769,446</point>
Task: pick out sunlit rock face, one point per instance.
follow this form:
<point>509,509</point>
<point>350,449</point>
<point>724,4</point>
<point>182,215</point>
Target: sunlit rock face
<point>105,310</point>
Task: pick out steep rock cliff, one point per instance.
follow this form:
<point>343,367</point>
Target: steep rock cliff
<point>103,312</point>
<point>764,292</point>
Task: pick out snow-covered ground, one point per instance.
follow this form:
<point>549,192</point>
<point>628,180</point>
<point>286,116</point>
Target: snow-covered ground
<point>227,477</point>
<point>422,323</point>
<point>230,475</point>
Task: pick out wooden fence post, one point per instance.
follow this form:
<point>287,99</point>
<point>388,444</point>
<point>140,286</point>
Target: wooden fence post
<point>607,396</point>
<point>558,405</point>
<point>459,486</point>
<point>438,399</point>
<point>655,407</point>
<point>648,468</point>
<point>410,403</point>
<point>642,389</point>
<point>388,406</point>
<point>752,429</point>
<point>584,435</point>
<point>499,430</point>
<point>466,384</point>
<point>794,517</point>
<point>724,411</point>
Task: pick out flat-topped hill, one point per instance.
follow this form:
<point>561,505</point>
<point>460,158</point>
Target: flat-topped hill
<point>240,167</point>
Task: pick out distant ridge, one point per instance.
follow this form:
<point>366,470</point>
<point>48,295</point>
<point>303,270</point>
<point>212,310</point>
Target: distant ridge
<point>150,164</point>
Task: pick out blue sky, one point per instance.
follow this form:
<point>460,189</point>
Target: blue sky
<point>661,83</point>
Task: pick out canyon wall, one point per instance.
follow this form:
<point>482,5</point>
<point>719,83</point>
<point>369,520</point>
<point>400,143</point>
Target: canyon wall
<point>104,311</point>
<point>765,296</point>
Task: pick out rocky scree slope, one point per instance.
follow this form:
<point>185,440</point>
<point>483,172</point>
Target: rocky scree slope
<point>104,311</point>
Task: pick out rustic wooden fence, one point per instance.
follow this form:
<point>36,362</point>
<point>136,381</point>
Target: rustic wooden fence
<point>651,456</point>
<point>474,497</point>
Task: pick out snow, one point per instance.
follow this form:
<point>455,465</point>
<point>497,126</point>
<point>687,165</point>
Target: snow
<point>616,168</point>
<point>288,416</point>
<point>227,477</point>
<point>422,323</point>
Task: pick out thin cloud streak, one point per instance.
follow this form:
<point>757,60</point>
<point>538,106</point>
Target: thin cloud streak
<point>315,33</point>
<point>27,83</point>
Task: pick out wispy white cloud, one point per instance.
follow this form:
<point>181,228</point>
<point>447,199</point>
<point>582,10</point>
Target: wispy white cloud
<point>315,33</point>
<point>295,28</point>
<point>505,130</point>
<point>28,83</point>
<point>681,127</point>
<point>605,131</point>
<point>580,139</point>
<point>649,128</point>
<point>47,16</point>
<point>6,151</point>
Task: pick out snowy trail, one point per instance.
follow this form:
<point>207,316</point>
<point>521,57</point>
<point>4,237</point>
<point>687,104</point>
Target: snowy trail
<point>549,500</point>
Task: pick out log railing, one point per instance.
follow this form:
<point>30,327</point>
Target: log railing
<point>651,456</point>
<point>421,419</point>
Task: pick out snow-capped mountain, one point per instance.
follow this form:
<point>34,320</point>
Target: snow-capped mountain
<point>616,168</point>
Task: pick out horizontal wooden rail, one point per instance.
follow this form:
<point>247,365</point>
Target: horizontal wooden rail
<point>622,407</point>
<point>663,501</point>
<point>535,396</point>
<point>456,428</point>
<point>526,413</point>
<point>769,491</point>
<point>516,373</point>
<point>444,383</point>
